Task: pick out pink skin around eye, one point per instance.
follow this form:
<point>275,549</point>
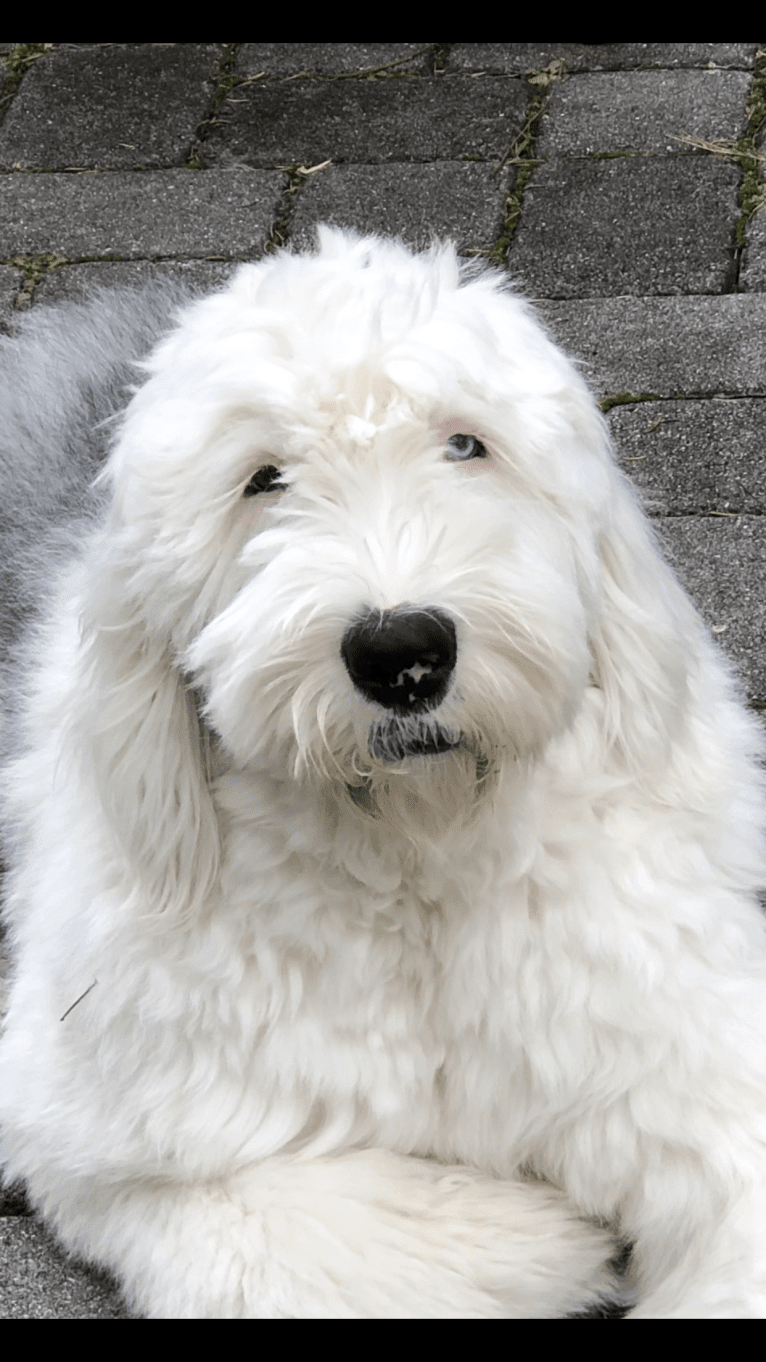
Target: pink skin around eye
<point>453,426</point>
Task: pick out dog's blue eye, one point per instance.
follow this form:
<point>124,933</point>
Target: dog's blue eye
<point>266,479</point>
<point>463,447</point>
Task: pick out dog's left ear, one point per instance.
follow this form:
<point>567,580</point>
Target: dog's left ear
<point>647,639</point>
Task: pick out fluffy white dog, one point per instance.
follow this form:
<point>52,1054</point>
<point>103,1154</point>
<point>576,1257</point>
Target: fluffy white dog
<point>386,830</point>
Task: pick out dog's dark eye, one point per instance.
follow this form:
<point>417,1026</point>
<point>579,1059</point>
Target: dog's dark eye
<point>266,479</point>
<point>462,447</point>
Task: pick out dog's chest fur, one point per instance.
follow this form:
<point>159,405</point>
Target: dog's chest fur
<point>408,990</point>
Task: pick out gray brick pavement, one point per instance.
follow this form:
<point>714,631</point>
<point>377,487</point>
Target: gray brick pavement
<point>580,237</point>
<point>110,107</point>
<point>38,1281</point>
<point>622,196</point>
<point>157,214</point>
<point>601,113</point>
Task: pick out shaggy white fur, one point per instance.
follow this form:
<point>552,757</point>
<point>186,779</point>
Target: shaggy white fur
<point>385,828</point>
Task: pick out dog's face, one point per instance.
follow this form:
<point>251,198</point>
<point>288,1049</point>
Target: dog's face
<point>360,498</point>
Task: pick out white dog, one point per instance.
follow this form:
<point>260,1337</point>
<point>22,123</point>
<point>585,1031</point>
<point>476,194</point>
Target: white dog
<point>386,829</point>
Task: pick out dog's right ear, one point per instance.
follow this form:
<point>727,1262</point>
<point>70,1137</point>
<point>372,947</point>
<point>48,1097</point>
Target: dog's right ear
<point>648,645</point>
<point>647,641</point>
<point>140,738</point>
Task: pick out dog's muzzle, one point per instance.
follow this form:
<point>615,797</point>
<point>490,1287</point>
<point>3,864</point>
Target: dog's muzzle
<point>403,660</point>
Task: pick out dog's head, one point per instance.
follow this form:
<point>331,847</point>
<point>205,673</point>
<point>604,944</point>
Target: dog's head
<point>366,510</point>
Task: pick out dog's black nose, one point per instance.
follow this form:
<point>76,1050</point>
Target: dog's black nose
<point>403,658</point>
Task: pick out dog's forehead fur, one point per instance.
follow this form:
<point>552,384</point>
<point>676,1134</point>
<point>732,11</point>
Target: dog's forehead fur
<point>312,357</point>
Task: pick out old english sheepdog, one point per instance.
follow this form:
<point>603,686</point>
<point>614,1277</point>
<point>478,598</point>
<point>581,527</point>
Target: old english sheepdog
<point>383,828</point>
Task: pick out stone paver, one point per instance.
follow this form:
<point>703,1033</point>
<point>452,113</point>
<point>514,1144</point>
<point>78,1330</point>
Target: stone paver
<point>628,225</point>
<point>161,213</point>
<point>110,107</point>
<point>670,347</point>
<point>642,111</point>
<point>694,458</point>
<point>518,58</point>
<point>753,275</point>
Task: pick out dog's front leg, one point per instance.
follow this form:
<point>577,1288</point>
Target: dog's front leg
<point>708,1262</point>
<point>359,1235</point>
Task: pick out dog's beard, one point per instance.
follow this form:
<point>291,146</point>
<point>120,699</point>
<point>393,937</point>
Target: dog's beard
<point>421,778</point>
<point>410,735</point>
